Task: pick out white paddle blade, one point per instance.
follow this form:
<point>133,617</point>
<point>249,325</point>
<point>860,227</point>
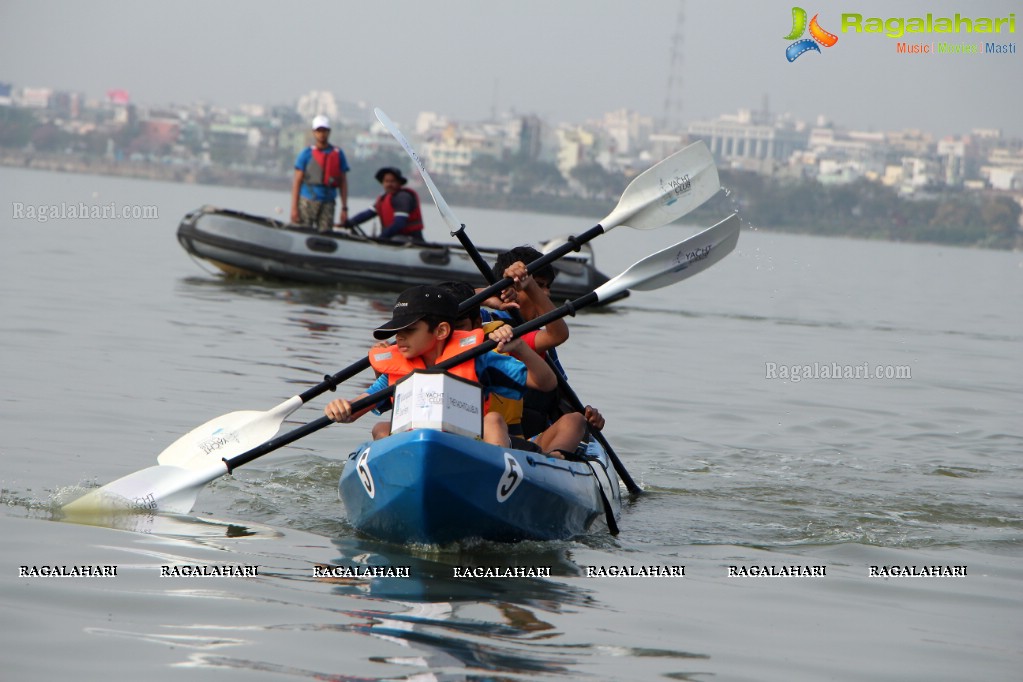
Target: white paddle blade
<point>667,191</point>
<point>675,263</point>
<point>227,435</point>
<point>156,489</point>
<point>445,211</point>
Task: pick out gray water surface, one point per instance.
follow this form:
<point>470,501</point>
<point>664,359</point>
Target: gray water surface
<point>113,343</point>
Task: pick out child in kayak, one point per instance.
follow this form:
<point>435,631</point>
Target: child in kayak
<point>566,432</point>
<point>424,328</point>
<point>540,409</point>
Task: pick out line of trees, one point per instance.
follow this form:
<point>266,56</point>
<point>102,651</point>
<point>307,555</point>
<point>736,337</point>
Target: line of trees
<point>872,210</point>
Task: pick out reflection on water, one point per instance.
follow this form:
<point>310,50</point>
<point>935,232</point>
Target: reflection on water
<point>476,623</point>
<point>322,296</point>
<point>168,525</point>
<point>433,571</point>
<point>332,296</point>
<point>490,628</point>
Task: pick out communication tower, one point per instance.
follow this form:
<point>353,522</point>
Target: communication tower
<point>671,120</point>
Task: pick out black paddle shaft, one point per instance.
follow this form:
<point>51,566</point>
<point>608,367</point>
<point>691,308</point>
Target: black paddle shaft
<point>331,382</point>
<point>571,244</point>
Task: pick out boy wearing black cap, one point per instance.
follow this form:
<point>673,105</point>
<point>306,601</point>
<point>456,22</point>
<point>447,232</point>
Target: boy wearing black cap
<point>398,208</point>
<point>423,326</point>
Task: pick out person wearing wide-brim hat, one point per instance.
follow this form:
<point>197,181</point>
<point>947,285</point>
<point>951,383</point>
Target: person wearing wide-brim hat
<point>398,208</point>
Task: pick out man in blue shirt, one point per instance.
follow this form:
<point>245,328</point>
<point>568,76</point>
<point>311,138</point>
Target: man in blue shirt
<point>320,174</point>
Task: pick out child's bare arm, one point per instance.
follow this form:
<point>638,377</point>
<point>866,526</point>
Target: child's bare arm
<point>539,375</point>
<point>340,410</point>
<point>553,334</point>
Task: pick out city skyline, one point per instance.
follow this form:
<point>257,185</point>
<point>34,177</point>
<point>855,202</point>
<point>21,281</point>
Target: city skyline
<point>565,61</point>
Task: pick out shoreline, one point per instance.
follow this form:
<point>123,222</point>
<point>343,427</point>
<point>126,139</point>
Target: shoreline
<point>550,204</point>
<point>206,175</point>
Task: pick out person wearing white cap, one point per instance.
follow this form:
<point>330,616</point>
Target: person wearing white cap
<point>320,175</point>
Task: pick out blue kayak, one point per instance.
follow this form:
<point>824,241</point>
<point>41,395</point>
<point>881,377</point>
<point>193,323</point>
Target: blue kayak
<point>433,487</point>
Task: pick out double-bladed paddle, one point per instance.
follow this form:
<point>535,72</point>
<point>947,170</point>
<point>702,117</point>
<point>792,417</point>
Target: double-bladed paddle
<point>663,193</point>
<point>175,489</point>
<point>457,229</point>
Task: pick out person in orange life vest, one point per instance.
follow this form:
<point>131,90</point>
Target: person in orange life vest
<point>398,208</point>
<point>321,173</point>
<point>531,294</point>
<point>565,434</point>
<point>423,326</point>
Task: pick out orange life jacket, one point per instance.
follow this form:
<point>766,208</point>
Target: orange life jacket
<point>391,362</point>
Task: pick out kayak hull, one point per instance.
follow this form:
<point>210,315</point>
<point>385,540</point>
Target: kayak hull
<point>433,487</point>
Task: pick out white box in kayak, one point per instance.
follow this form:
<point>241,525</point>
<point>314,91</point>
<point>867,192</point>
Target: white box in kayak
<point>434,399</point>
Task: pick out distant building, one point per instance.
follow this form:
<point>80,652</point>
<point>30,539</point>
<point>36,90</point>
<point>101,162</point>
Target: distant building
<point>747,135</point>
<point>627,130</point>
<point>663,145</point>
<point>370,144</point>
<point>119,97</point>
<point>953,154</point>
<point>294,139</point>
<point>892,175</point>
<point>986,133</point>
<point>917,174</point>
<point>35,98</point>
<point>912,142</point>
<point>317,102</point>
<point>845,144</point>
<point>455,150</point>
<point>835,172</point>
<point>430,121</point>
<point>67,104</point>
<point>1002,156</point>
<point>1004,169</point>
<point>253,110</point>
<point>1005,179</point>
<point>159,132</point>
<point>231,143</point>
<point>531,133</point>
<point>576,146</point>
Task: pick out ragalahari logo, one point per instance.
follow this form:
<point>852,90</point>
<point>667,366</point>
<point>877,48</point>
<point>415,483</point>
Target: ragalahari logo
<point>817,35</point>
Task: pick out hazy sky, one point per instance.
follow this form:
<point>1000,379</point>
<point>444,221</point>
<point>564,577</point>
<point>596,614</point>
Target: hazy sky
<point>567,60</point>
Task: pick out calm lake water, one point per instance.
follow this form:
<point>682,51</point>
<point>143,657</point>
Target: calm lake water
<point>113,343</point>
